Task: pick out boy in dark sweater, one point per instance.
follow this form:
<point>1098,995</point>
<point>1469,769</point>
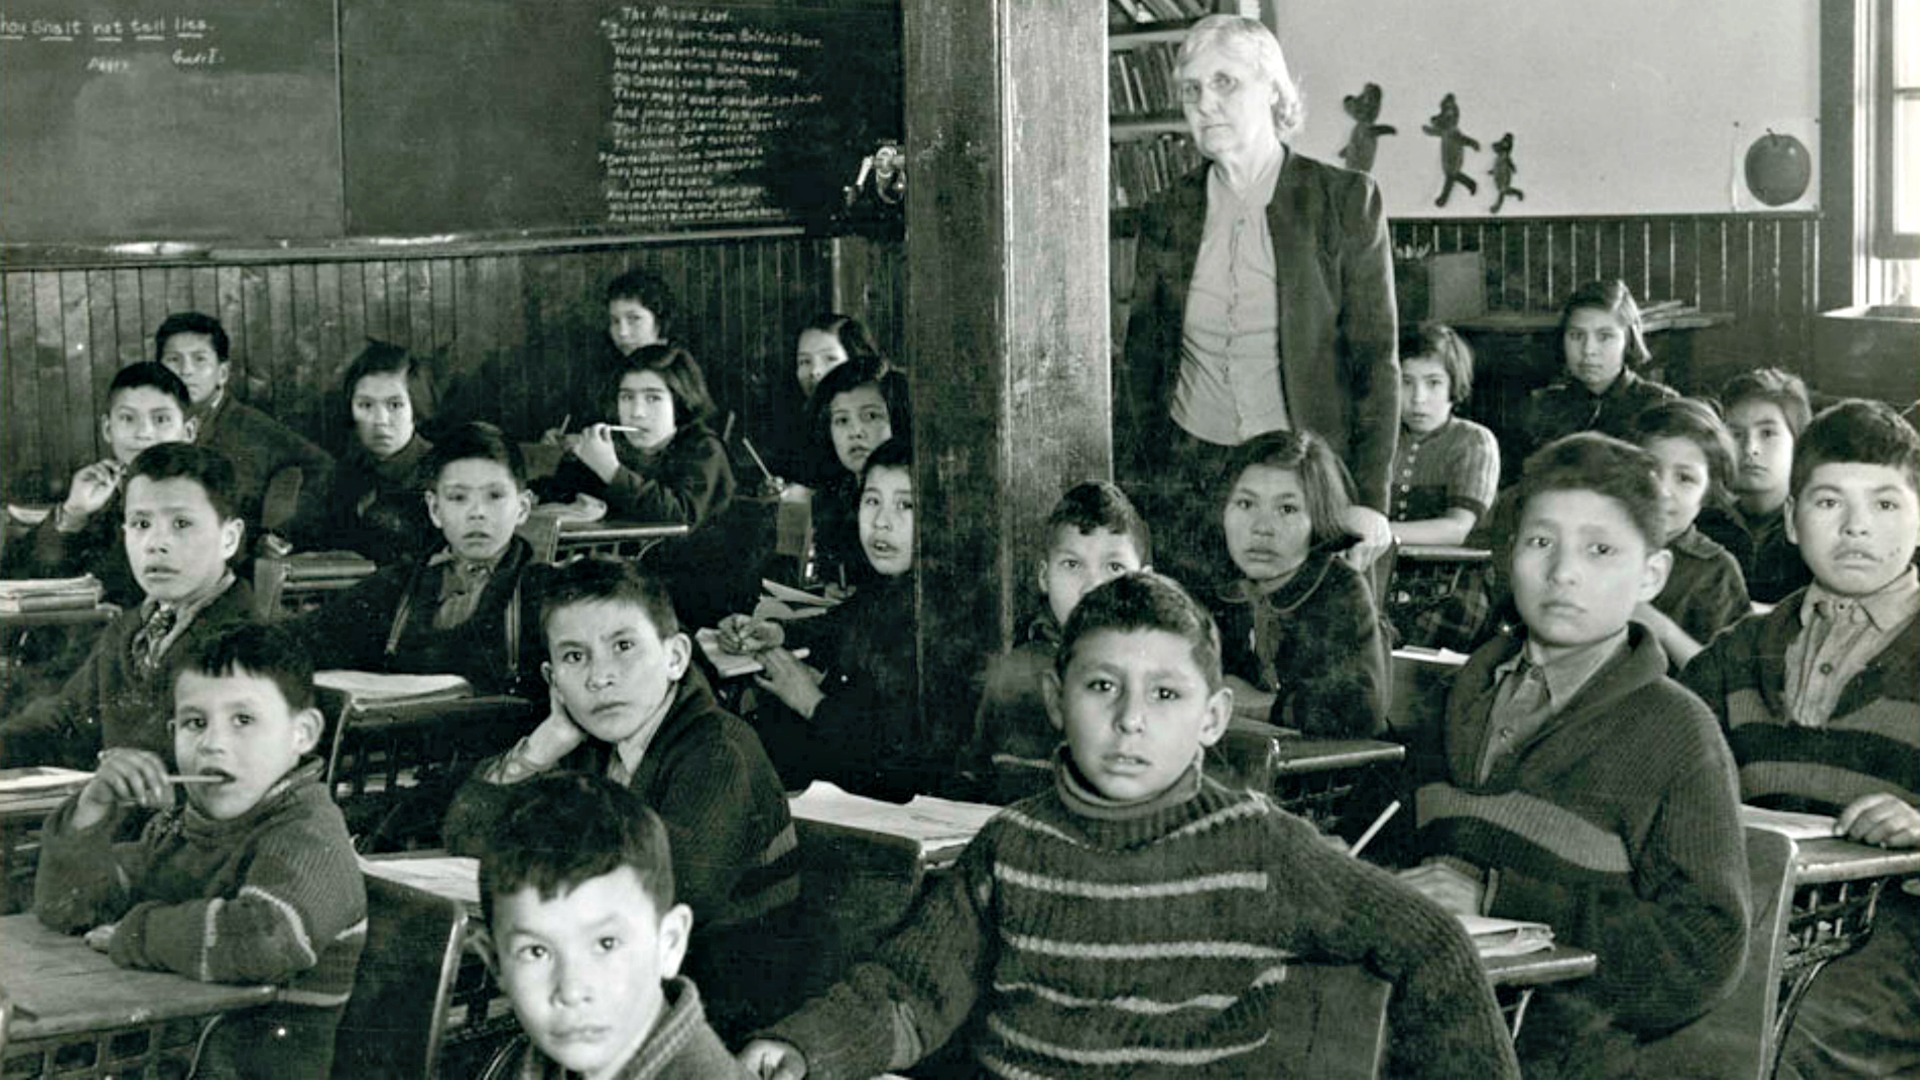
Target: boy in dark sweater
<point>146,405</point>
<point>180,529</point>
<point>252,879</point>
<point>623,703</point>
<point>1093,536</point>
<point>195,347</point>
<point>1140,917</point>
<point>577,885</point>
<point>1585,788</point>
<point>467,609</point>
<point>1767,409</point>
<point>1821,702</point>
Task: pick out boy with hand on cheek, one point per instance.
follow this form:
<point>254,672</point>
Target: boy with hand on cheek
<point>577,885</point>
<point>623,704</point>
<point>252,880</point>
<point>180,530</point>
<point>1088,923</point>
<point>1821,702</point>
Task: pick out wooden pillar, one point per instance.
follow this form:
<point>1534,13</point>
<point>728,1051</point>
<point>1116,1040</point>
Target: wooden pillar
<point>1007,318</point>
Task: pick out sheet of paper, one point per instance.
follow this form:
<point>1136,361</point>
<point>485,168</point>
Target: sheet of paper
<point>456,877</point>
<point>791,595</point>
<point>938,826</point>
<point>376,686</point>
<point>1506,937</point>
<point>1794,826</point>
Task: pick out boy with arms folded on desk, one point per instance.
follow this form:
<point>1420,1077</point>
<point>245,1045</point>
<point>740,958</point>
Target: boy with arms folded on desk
<point>1094,535</point>
<point>180,530</point>
<point>1821,702</point>
<point>623,703</point>
<point>146,405</point>
<point>1140,916</point>
<point>467,609</point>
<point>1585,788</point>
<point>252,879</point>
<point>577,885</point>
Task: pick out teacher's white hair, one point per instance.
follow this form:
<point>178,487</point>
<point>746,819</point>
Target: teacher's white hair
<point>1251,40</point>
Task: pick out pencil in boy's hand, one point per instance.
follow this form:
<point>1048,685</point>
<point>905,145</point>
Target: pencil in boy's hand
<point>565,423</point>
<point>755,455</point>
<point>1373,830</point>
<point>195,778</point>
<point>621,427</point>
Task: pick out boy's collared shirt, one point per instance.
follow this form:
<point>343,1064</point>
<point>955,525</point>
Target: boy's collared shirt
<point>1840,635</point>
<point>1528,691</point>
<point>461,584</point>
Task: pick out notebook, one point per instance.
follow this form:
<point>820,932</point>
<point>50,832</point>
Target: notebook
<point>1506,937</point>
<point>1792,825</point>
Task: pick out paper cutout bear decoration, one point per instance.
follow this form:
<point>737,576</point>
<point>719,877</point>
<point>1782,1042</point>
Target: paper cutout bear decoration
<point>1454,145</point>
<point>1364,107</point>
<point>1503,170</point>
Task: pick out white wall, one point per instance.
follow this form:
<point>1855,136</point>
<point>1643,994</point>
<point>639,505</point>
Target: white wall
<point>1616,106</point>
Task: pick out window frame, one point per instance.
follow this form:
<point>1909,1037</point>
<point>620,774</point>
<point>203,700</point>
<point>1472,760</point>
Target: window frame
<point>1888,241</point>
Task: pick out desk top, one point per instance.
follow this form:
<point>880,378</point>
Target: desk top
<point>1819,862</point>
<point>99,613</point>
<point>1543,322</point>
<point>59,986</point>
<point>601,532</point>
<point>1306,754</point>
<point>1558,964</point>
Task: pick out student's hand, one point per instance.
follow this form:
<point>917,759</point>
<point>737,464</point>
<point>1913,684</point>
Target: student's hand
<point>771,1059</point>
<point>556,736</point>
<point>744,635</point>
<point>91,489</point>
<point>1451,889</point>
<point>100,938</point>
<point>124,777</point>
<point>837,591</point>
<point>791,681</point>
<point>1884,819</point>
<point>1375,534</point>
<point>594,447</point>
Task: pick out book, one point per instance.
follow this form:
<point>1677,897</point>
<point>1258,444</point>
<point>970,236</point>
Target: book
<point>732,665</point>
<point>1506,937</point>
<point>937,829</point>
<point>49,594</point>
<point>1788,823</point>
<point>376,688</point>
<point>33,779</point>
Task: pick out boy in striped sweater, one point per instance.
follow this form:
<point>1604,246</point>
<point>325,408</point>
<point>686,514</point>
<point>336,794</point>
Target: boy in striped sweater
<point>1587,790</point>
<point>1139,917</point>
<point>252,880</point>
<point>1821,701</point>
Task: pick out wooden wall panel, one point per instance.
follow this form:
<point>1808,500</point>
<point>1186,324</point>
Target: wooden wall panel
<point>511,329</point>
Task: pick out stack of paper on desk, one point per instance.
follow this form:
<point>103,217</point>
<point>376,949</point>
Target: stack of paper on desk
<point>732,665</point>
<point>1506,937</point>
<point>375,688</point>
<point>937,828</point>
<point>1793,826</point>
<point>49,594</point>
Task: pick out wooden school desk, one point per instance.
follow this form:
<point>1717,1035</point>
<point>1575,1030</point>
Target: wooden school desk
<point>1314,777</point>
<point>1521,975</point>
<point>15,626</point>
<point>75,1014</point>
<point>622,539</point>
<point>21,814</point>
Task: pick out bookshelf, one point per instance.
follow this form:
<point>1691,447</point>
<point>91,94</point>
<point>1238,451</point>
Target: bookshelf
<point>1147,134</point>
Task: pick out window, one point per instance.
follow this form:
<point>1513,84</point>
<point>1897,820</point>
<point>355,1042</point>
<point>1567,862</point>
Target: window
<point>1896,151</point>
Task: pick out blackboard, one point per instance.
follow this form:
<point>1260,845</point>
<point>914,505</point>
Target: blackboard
<point>597,116</point>
<point>124,119</point>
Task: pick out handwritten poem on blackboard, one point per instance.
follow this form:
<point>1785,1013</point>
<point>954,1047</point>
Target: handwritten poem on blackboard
<point>698,98</point>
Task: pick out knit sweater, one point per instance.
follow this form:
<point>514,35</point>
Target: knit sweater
<point>1098,939</point>
<point>260,447</point>
<point>272,896</point>
<point>385,623</point>
<point>1870,744</point>
<point>109,701</point>
<point>680,1047</point>
<point>1566,406</point>
<point>1314,642</point>
<point>1454,467</point>
<point>376,507</point>
<point>1617,824</point>
<point>686,482</point>
<point>1705,592</point>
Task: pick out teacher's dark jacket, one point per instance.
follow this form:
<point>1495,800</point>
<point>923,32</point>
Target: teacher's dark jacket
<point>1338,335</point>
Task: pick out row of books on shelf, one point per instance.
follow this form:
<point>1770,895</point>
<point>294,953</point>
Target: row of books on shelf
<point>18,595</point>
<point>1142,168</point>
<point>1147,12</point>
<point>1140,80</point>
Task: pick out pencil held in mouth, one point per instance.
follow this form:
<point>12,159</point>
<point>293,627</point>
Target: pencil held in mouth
<point>196,778</point>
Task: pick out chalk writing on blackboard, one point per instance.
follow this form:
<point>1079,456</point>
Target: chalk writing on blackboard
<point>697,99</point>
<point>111,46</point>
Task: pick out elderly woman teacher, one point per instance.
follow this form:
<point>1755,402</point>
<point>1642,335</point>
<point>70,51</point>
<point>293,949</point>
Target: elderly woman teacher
<point>1263,299</point>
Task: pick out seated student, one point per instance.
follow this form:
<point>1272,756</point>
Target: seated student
<point>586,939</point>
<point>195,347</point>
<point>640,312</point>
<point>146,405</point>
<point>252,879</point>
<point>859,405</point>
<point>1585,789</point>
<point>466,609</point>
<point>1602,341</point>
<point>1300,636</point>
<point>830,340</point>
<point>1766,410</point>
<point>851,721</point>
<point>657,462</point>
<point>1140,917</point>
<point>1093,536</point>
<point>1445,467</point>
<point>623,703</point>
<point>374,505</point>
<point>1821,702</point>
<point>180,530</point>
<point>1705,591</point>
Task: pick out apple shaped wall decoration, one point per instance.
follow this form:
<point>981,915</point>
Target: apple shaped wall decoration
<point>1779,168</point>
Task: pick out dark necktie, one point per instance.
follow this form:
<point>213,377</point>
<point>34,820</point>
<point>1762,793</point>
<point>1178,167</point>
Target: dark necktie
<point>151,638</point>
